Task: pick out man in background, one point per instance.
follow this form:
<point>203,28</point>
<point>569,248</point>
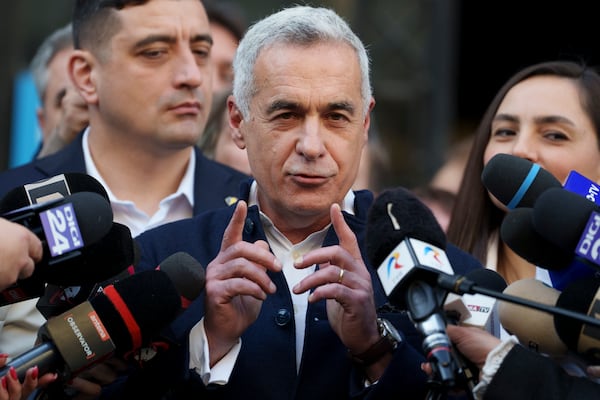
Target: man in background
<point>63,112</point>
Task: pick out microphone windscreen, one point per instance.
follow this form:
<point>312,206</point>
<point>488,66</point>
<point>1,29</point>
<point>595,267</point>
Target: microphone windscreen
<point>487,278</point>
<point>186,273</point>
<point>138,308</point>
<point>395,215</point>
<point>579,296</point>
<point>516,182</point>
<point>97,262</point>
<point>74,181</point>
<point>534,328</point>
<point>518,232</point>
<point>561,216</point>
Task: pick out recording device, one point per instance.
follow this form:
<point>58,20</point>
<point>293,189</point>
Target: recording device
<point>534,329</point>
<point>58,186</point>
<point>516,182</point>
<point>568,221</point>
<point>100,264</point>
<point>555,334</point>
<point>460,284</point>
<point>481,307</point>
<point>121,319</point>
<point>407,244</point>
<point>67,227</point>
<point>518,232</point>
<point>571,223</point>
<point>581,296</point>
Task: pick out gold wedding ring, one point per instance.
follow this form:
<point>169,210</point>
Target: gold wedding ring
<point>341,275</point>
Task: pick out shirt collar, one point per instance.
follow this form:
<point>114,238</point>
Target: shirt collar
<point>186,186</point>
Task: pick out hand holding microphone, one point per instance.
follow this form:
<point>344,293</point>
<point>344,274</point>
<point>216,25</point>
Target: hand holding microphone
<point>121,319</point>
<point>407,244</point>
<point>20,249</point>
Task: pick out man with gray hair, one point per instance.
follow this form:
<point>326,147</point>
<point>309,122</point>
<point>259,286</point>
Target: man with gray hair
<point>291,309</point>
<point>63,112</point>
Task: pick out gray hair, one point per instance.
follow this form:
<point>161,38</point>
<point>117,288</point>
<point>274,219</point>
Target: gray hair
<point>59,40</point>
<point>299,25</point>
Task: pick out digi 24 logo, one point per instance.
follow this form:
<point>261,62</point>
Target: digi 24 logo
<point>61,229</point>
<point>589,243</point>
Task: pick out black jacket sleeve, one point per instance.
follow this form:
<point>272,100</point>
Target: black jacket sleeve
<point>528,375</point>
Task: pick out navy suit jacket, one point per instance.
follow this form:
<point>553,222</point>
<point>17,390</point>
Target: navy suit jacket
<point>213,181</point>
<point>266,366</point>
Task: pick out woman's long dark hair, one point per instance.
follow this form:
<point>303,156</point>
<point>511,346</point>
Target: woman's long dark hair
<point>475,217</point>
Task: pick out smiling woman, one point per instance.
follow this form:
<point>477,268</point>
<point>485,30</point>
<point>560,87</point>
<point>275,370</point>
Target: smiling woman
<point>549,114</point>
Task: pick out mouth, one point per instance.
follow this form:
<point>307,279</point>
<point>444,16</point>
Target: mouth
<point>188,108</point>
<point>309,180</point>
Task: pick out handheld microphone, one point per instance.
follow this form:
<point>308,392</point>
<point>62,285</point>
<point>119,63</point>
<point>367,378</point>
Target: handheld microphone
<point>67,227</point>
<point>407,244</point>
<point>121,319</point>
<point>100,264</point>
<point>534,329</point>
<point>65,224</point>
<point>575,229</point>
<point>581,296</point>
<point>516,182</point>
<point>482,307</point>
<point>58,186</point>
<point>518,232</point>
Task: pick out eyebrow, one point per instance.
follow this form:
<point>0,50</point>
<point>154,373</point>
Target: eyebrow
<point>291,105</point>
<point>549,119</point>
<point>171,39</point>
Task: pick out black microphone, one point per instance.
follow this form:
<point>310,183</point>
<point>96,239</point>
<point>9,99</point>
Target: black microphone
<point>67,227</point>
<point>121,319</point>
<point>581,296</point>
<point>100,264</point>
<point>65,224</point>
<point>516,182</point>
<point>58,186</point>
<point>571,223</point>
<point>563,217</point>
<point>407,245</point>
<point>518,232</point>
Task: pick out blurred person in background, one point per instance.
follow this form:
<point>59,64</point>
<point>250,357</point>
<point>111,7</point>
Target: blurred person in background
<point>63,112</point>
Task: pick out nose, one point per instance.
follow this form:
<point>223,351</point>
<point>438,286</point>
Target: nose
<point>310,144</point>
<point>525,147</point>
<point>187,72</point>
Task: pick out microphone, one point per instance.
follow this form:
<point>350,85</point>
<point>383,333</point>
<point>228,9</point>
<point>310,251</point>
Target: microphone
<point>518,232</point>
<point>105,262</point>
<point>65,224</point>
<point>580,296</point>
<point>575,229</point>
<point>516,182</point>
<point>460,284</point>
<point>58,186</point>
<point>534,329</point>
<point>121,319</point>
<point>67,227</point>
<point>482,307</point>
<point>407,244</point>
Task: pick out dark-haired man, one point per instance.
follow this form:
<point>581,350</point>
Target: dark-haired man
<point>144,70</point>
